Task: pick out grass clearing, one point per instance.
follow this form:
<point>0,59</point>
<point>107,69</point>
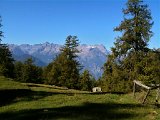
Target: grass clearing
<point>6,83</point>
<point>52,103</point>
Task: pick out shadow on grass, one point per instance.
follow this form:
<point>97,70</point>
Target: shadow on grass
<point>7,96</point>
<point>10,96</point>
<point>88,111</point>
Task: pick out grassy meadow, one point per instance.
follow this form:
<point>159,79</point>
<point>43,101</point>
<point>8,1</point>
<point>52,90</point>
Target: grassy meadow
<point>43,102</point>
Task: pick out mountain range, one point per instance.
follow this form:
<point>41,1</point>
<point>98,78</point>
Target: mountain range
<point>91,57</point>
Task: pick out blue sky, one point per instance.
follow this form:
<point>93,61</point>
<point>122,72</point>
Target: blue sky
<point>38,21</point>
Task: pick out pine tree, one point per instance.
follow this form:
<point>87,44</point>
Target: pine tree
<point>53,72</point>
<point>147,69</point>
<point>135,28</point>
<point>71,66</point>
<point>18,71</point>
<point>65,68</point>
<point>86,81</point>
<point>129,49</point>
<point>28,72</point>
<point>6,60</point>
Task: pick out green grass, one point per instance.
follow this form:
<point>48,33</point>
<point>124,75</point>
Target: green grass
<point>37,102</point>
<point>6,83</point>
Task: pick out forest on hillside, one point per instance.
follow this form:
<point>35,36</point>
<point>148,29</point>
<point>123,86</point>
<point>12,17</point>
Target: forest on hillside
<point>130,58</point>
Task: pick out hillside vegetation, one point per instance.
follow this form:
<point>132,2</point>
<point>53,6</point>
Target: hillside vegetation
<point>50,102</point>
<point>7,83</point>
<point>130,59</point>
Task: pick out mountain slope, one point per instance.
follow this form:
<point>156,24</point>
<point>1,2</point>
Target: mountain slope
<point>92,57</point>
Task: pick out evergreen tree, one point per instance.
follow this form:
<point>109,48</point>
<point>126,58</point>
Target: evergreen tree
<point>86,81</point>
<point>19,67</point>
<point>53,72</point>
<point>71,67</point>
<point>28,72</point>
<point>135,28</point>
<point>65,68</point>
<point>6,60</point>
<point>129,49</point>
<point>31,73</point>
<point>1,33</point>
<point>148,69</point>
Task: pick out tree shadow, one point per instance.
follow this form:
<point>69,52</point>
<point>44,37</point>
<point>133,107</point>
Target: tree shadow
<point>9,96</point>
<point>88,111</point>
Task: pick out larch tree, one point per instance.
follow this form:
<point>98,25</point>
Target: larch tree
<point>129,49</point>
<point>135,28</point>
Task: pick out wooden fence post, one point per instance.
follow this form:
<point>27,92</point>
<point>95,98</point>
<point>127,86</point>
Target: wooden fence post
<point>134,88</point>
<point>146,96</point>
<point>158,92</point>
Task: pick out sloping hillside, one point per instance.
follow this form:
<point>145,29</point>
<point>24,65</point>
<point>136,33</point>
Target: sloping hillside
<point>6,83</point>
<point>42,102</point>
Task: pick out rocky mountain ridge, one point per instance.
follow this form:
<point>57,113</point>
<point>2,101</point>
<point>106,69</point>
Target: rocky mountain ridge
<point>92,57</point>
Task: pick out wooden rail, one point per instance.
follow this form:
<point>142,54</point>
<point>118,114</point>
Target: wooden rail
<point>153,86</point>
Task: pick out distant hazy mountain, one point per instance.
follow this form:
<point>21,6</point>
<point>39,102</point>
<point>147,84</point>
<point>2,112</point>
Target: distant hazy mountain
<point>92,57</point>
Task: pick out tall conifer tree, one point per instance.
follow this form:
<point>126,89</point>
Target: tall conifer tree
<point>130,48</point>
<point>135,28</point>
<point>6,60</point>
<point>65,68</point>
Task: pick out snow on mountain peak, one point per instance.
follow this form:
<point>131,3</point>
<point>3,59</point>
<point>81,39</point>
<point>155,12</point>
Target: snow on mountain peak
<point>92,57</point>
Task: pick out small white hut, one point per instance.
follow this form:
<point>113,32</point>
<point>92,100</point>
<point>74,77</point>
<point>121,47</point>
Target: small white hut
<point>96,89</point>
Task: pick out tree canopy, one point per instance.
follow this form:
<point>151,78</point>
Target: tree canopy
<point>131,58</point>
<point>87,81</point>
<point>135,28</point>
<point>6,60</point>
<point>28,72</point>
<point>64,70</point>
